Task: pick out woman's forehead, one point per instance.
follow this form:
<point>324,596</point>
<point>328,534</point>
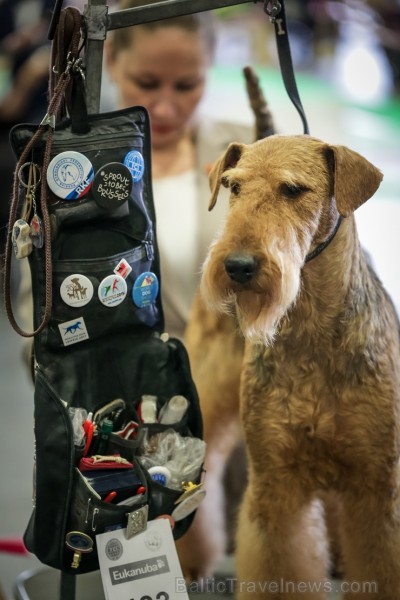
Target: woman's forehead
<point>159,50</point>
<point>146,42</point>
<point>140,34</point>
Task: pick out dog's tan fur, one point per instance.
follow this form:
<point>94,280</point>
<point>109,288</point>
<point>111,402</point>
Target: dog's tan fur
<point>320,382</point>
<point>216,353</point>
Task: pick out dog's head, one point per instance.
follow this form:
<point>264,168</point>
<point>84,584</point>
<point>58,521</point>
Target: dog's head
<point>287,194</point>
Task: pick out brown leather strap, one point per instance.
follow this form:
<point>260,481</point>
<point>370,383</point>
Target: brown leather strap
<point>64,48</point>
<point>53,107</point>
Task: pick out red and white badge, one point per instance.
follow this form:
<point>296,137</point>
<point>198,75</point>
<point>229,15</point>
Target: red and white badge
<point>123,268</point>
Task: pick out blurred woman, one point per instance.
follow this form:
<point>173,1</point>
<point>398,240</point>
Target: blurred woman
<point>163,66</point>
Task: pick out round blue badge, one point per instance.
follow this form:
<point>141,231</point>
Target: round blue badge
<point>135,163</point>
<point>145,289</point>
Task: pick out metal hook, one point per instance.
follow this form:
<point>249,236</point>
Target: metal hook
<point>74,65</point>
<point>78,67</point>
<point>272,9</point>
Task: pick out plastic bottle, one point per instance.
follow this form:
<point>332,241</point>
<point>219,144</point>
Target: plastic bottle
<point>148,409</point>
<point>160,474</point>
<point>174,410</point>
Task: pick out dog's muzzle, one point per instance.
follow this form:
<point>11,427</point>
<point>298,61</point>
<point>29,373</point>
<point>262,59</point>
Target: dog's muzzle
<point>241,267</point>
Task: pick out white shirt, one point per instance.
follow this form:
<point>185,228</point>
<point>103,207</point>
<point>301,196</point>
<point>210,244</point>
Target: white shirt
<point>176,201</point>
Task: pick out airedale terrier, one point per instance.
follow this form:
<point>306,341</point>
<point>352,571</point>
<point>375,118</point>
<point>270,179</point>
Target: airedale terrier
<point>320,380</point>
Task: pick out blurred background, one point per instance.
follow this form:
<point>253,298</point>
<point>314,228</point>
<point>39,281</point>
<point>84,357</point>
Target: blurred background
<point>347,60</point>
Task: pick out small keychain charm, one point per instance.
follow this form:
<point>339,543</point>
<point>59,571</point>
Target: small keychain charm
<point>36,225</point>
<point>36,231</point>
<point>21,240</point>
<point>79,543</point>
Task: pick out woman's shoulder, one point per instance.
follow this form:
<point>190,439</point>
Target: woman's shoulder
<point>214,136</point>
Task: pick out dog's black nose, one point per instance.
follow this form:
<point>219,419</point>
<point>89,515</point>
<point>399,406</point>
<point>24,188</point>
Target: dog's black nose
<point>241,267</point>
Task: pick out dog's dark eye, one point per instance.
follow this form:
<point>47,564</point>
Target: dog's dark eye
<point>235,188</point>
<point>290,190</point>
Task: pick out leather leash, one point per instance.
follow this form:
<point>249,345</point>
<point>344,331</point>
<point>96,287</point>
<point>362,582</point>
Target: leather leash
<point>276,12</point>
<point>59,84</point>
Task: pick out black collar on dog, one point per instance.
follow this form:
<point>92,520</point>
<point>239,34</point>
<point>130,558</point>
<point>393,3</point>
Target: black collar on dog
<point>324,244</point>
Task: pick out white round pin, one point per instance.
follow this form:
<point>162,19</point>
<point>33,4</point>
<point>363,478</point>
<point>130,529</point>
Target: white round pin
<point>76,290</point>
<point>188,505</point>
<point>112,290</point>
<point>70,175</point>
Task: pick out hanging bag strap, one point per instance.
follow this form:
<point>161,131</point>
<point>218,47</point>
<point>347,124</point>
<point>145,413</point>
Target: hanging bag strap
<point>59,89</point>
<point>276,12</point>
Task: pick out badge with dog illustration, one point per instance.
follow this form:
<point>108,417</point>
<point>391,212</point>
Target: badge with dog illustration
<point>73,331</point>
<point>70,175</point>
<point>76,290</point>
<point>112,290</point>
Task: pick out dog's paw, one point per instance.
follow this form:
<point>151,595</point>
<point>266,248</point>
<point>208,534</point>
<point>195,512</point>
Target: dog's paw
<point>197,557</point>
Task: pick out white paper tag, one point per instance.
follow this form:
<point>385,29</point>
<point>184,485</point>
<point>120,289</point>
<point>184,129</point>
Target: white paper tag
<point>145,567</point>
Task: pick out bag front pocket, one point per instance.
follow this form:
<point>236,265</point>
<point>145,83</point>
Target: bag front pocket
<point>91,300</point>
<point>90,515</point>
<point>166,501</point>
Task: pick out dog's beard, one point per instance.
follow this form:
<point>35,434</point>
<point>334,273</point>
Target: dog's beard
<point>259,315</point>
<point>260,305</point>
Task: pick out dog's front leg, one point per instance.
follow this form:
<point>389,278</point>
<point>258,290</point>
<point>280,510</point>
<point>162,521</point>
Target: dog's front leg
<point>281,549</point>
<point>371,542</point>
<point>281,545</point>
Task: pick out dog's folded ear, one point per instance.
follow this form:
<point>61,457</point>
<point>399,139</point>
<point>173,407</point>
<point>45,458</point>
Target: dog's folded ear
<point>355,179</point>
<point>228,160</point>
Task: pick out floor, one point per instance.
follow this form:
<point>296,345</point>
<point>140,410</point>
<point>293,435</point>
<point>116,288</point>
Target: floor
<point>374,132</point>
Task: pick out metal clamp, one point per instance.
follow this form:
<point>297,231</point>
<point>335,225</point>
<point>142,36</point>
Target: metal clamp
<point>96,21</point>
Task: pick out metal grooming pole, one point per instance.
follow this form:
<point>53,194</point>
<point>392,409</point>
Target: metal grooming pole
<point>98,21</point>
